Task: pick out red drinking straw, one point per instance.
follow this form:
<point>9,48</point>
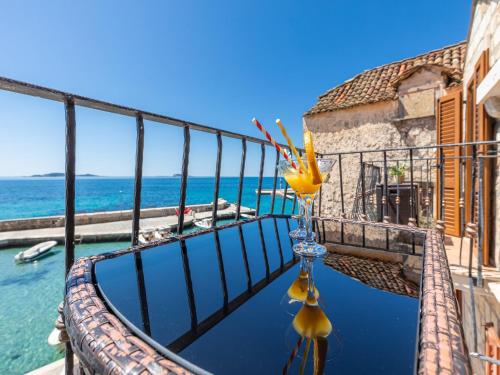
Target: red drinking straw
<point>273,142</point>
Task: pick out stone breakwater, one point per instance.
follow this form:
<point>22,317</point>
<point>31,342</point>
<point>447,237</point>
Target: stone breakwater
<point>100,217</point>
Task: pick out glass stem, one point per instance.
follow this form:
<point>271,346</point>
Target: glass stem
<point>300,217</point>
<point>310,237</point>
<point>308,267</point>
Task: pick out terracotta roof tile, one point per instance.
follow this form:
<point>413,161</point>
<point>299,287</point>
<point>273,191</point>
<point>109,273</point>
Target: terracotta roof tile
<point>377,85</point>
<point>375,273</point>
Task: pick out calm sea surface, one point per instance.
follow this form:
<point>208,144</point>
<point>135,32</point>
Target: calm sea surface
<point>33,197</point>
<point>30,293</point>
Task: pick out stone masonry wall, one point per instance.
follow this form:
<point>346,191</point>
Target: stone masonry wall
<point>365,127</point>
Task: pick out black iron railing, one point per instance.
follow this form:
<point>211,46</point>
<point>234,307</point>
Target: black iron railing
<point>71,101</point>
<point>424,206</point>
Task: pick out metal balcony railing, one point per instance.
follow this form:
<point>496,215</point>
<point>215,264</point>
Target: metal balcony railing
<point>373,200</point>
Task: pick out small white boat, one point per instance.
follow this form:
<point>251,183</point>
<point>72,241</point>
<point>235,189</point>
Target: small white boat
<point>35,252</point>
<point>146,236</point>
<point>162,233</point>
<point>204,223</point>
<point>247,216</point>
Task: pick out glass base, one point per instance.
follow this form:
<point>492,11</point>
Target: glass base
<point>309,249</point>
<point>298,234</point>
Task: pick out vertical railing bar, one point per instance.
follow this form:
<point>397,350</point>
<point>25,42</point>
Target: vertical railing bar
<point>222,271</point>
<point>189,285</point>
<point>294,202</point>
<point>386,205</point>
<point>184,178</point>
<point>217,179</point>
<point>285,194</point>
<point>413,201</point>
<point>245,258</point>
<point>398,197</point>
<point>363,195</point>
<point>276,231</point>
<point>275,180</point>
<point>341,199</point>
<point>264,248</point>
<point>480,224</point>
<point>462,207</point>
<point>412,188</point>
<point>261,173</point>
<point>139,152</point>
<point>69,215</point>
<point>441,185</point>
<point>141,286</point>
<point>288,230</point>
<point>242,176</point>
<point>472,206</point>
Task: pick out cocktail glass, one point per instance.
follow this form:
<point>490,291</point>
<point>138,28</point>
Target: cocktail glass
<point>302,183</point>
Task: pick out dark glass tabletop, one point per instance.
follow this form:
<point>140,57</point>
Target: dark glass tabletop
<point>219,300</point>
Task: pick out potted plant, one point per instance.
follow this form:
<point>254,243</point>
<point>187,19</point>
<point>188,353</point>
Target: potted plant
<point>398,173</point>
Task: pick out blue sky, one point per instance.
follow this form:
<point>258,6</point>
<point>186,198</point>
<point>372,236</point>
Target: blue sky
<point>215,62</point>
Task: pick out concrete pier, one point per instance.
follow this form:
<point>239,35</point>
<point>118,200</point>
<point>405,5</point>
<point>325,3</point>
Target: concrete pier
<point>108,231</point>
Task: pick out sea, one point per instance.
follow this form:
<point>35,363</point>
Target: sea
<point>31,292</point>
<point>40,196</point>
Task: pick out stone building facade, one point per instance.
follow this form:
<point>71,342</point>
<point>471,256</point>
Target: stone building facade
<point>386,107</point>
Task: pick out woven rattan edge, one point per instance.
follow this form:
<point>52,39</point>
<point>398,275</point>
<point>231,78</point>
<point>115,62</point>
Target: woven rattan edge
<point>105,345</point>
<point>102,343</point>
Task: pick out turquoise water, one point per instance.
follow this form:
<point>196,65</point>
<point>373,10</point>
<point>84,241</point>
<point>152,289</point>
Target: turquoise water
<point>31,292</point>
<point>33,197</point>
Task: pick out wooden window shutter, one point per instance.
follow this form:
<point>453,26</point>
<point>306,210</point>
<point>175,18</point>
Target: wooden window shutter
<point>478,128</point>
<point>449,120</point>
<point>492,349</point>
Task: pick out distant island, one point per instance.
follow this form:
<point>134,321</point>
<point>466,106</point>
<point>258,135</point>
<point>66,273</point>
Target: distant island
<point>60,174</point>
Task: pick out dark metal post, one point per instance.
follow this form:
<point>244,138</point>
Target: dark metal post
<point>341,199</point>
<point>138,178</point>
<point>222,271</point>
<point>441,184</point>
<point>189,285</point>
<point>413,198</point>
<point>412,190</point>
<point>285,195</point>
<point>217,180</point>
<point>363,195</point>
<point>273,197</point>
<point>69,223</point>
<point>242,175</point>
<point>135,224</point>
<point>480,224</point>
<point>276,232</point>
<point>264,249</point>
<point>472,205</point>
<point>245,258</point>
<point>261,172</point>
<point>385,203</point>
<point>185,166</point>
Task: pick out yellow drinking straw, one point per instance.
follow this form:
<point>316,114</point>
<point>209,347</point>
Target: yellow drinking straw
<point>291,145</point>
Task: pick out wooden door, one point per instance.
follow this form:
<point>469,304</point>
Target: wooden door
<point>449,120</point>
<point>478,128</point>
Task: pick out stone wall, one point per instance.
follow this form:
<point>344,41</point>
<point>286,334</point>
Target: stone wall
<point>372,126</point>
<point>484,33</point>
<point>408,121</point>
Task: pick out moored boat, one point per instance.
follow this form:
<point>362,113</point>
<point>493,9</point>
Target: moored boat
<point>35,252</point>
<point>204,223</point>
